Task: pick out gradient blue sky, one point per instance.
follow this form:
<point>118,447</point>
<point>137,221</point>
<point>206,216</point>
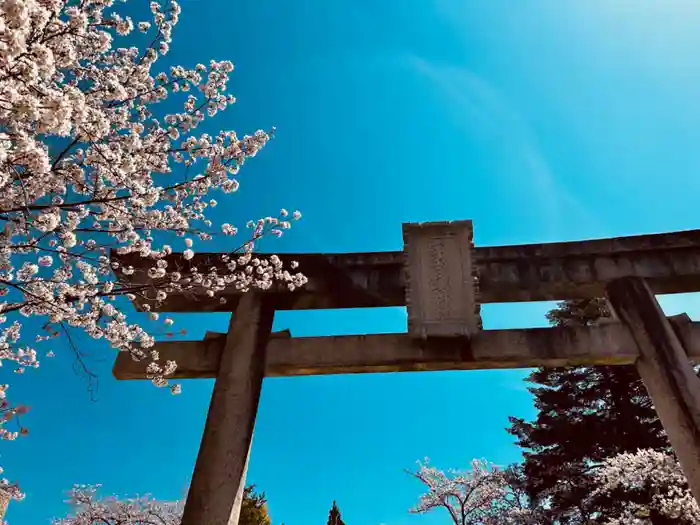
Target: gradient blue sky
<point>540,120</point>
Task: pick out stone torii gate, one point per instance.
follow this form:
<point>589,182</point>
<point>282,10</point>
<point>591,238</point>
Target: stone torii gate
<point>442,280</point>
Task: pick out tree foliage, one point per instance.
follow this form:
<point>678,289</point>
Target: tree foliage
<point>334,516</point>
<point>586,414</point>
<point>482,495</point>
<point>88,508</point>
<point>99,154</point>
<point>254,508</point>
<point>647,487</point>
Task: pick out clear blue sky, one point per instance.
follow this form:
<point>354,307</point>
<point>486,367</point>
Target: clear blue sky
<point>540,120</point>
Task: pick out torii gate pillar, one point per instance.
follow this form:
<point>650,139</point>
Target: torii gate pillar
<point>216,493</point>
<point>663,365</point>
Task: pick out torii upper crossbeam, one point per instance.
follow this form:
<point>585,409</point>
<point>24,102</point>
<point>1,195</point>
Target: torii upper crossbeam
<point>669,262</point>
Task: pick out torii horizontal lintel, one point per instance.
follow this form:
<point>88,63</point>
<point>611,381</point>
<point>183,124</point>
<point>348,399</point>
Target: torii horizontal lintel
<point>608,343</point>
<point>669,262</point>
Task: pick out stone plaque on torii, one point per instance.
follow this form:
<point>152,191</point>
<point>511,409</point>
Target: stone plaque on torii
<point>442,279</point>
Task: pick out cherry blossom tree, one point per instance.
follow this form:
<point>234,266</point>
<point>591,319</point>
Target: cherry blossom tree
<point>649,487</point>
<point>10,415</point>
<point>483,495</point>
<point>99,155</point>
<point>90,509</point>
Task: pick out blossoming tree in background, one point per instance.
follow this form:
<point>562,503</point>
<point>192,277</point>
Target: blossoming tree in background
<point>88,508</point>
<point>643,488</point>
<point>483,495</point>
<point>91,160</point>
<point>649,488</point>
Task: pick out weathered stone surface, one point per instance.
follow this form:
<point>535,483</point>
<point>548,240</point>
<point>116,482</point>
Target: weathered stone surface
<point>673,386</point>
<point>608,344</point>
<point>670,263</point>
<point>216,492</point>
<point>439,280</point>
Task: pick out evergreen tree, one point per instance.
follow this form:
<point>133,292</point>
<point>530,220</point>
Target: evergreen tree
<point>254,508</point>
<point>585,414</point>
<point>334,516</point>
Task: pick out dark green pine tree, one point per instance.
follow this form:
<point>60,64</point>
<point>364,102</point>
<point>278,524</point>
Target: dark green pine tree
<point>585,414</point>
<point>334,516</point>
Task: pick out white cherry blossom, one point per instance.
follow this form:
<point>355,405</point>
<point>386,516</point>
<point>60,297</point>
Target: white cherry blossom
<point>651,476</point>
<point>90,509</point>
<point>482,495</point>
<point>94,164</point>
